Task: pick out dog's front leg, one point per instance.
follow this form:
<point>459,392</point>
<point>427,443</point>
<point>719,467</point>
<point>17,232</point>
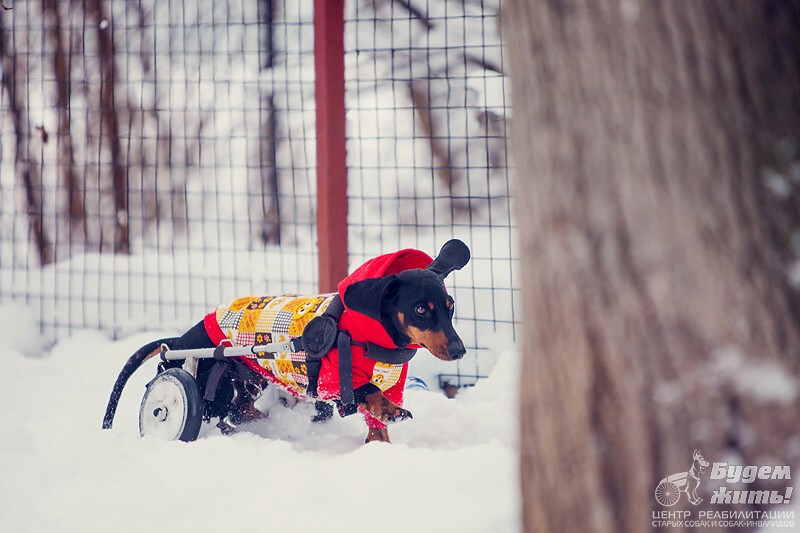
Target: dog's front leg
<point>372,400</point>
<point>379,406</point>
<point>377,434</point>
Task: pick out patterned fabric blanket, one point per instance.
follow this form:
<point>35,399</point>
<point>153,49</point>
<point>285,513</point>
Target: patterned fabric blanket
<point>258,320</point>
<point>263,319</point>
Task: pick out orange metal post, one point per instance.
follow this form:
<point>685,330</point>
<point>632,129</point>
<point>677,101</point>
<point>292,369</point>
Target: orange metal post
<point>331,150</point>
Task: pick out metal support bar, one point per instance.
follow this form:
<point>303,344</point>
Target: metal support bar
<point>265,351</point>
<point>331,145</point>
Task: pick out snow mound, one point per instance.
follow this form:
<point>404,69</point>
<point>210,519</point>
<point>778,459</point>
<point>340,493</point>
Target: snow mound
<point>452,468</point>
<point>18,330</point>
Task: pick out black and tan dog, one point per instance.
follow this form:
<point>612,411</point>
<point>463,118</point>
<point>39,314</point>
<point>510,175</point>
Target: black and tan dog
<point>392,303</point>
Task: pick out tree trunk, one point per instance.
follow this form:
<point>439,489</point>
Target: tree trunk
<point>268,188</point>
<point>439,143</point>
<point>269,191</point>
<point>110,121</point>
<point>655,248</point>
<point>66,155</point>
<point>14,76</point>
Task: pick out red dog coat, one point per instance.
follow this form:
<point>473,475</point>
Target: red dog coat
<point>262,319</point>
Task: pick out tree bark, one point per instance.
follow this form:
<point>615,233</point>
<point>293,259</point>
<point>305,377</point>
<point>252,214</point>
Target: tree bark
<point>110,119</point>
<point>66,155</point>
<point>269,190</point>
<point>654,251</point>
<point>27,166</point>
<point>439,143</point>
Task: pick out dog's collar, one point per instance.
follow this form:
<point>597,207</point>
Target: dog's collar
<point>392,356</point>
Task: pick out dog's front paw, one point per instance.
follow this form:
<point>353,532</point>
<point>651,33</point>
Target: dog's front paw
<point>381,408</point>
<point>398,415</point>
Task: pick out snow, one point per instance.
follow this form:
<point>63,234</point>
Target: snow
<point>123,295</point>
<point>762,380</point>
<point>197,74</point>
<point>195,77</point>
<point>452,468</point>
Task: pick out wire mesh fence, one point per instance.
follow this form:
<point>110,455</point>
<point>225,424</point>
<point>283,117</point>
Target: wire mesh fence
<point>157,158</point>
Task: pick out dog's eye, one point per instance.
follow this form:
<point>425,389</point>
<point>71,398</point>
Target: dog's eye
<point>421,310</point>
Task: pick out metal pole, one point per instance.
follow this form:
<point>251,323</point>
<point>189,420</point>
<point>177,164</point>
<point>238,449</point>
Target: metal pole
<point>331,151</point>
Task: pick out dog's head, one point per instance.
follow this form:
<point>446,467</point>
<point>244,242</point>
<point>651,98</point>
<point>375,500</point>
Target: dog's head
<point>413,305</point>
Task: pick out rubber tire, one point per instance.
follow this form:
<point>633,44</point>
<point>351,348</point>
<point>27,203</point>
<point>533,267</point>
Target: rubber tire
<point>188,409</point>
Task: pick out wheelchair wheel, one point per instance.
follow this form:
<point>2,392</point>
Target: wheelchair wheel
<point>172,407</point>
<point>667,493</point>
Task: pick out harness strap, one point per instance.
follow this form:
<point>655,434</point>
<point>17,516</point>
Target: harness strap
<point>213,380</point>
<point>345,368</point>
<point>236,368</point>
<point>313,366</point>
<point>219,352</point>
<point>392,356</point>
<point>320,336</point>
<point>335,308</point>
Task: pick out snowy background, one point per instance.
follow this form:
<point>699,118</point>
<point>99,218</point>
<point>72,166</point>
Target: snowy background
<point>452,468</point>
<point>215,116</point>
<point>200,93</point>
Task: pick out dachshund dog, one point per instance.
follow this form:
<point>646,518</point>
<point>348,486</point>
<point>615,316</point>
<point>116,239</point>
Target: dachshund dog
<point>393,303</point>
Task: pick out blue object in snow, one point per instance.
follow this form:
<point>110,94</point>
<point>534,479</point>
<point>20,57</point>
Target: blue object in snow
<point>415,383</point>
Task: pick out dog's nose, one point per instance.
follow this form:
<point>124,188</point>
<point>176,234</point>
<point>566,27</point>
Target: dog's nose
<point>456,349</point>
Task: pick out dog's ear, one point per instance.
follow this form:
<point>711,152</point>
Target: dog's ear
<point>366,296</point>
<point>454,255</point>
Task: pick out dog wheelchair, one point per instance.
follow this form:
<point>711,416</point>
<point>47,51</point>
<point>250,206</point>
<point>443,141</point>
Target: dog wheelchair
<point>195,385</point>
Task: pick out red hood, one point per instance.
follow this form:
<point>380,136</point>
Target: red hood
<point>360,326</point>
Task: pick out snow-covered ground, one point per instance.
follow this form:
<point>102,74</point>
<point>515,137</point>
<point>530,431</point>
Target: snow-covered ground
<point>452,468</point>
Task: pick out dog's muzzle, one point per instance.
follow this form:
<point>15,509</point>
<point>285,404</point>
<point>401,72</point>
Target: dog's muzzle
<point>456,349</point>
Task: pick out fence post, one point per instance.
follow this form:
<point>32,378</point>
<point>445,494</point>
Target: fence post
<point>331,154</point>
